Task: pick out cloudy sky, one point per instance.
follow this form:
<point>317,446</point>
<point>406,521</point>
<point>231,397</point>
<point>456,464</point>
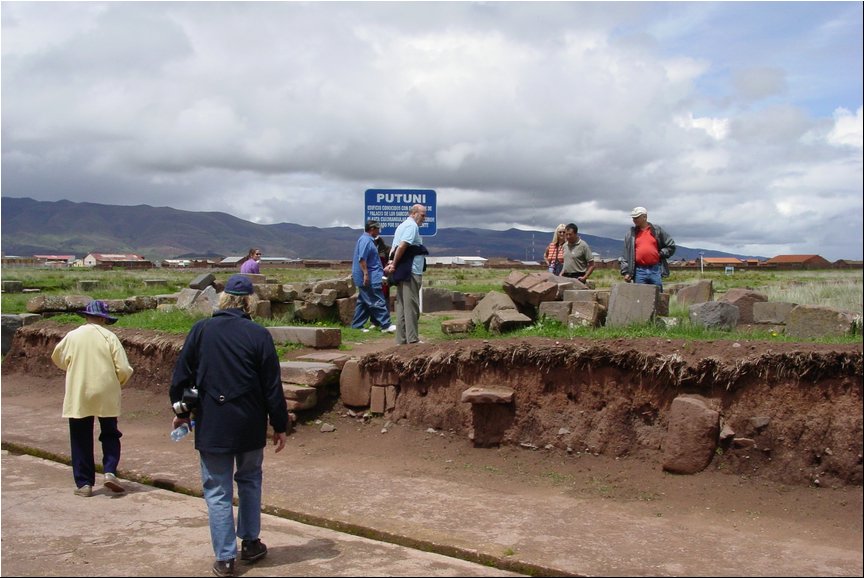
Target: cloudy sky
<point>738,125</point>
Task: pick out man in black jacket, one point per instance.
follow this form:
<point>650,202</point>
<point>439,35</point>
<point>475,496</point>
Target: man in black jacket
<point>233,362</point>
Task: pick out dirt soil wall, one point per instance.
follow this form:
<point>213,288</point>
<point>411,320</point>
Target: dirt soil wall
<point>799,403</point>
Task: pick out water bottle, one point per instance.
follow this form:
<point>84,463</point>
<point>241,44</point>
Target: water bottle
<point>181,431</point>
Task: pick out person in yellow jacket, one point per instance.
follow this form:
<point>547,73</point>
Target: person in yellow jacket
<point>96,367</point>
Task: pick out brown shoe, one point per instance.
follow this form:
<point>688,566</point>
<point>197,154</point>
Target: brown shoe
<point>224,567</point>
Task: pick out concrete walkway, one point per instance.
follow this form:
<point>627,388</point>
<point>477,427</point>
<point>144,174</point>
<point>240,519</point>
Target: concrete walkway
<point>48,531</point>
<point>151,532</point>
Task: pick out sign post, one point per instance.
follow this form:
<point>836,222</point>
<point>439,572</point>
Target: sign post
<point>390,207</point>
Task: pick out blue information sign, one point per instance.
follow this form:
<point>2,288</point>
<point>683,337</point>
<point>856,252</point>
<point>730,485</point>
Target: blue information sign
<point>390,207</point>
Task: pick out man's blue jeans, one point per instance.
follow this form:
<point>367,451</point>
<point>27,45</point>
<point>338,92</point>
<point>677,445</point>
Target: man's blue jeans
<point>648,275</point>
<point>217,471</point>
<point>370,305</point>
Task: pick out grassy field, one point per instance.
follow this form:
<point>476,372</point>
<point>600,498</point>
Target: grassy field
<point>840,289</point>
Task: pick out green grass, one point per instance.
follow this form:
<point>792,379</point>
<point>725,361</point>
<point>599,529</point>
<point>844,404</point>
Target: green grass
<point>841,289</point>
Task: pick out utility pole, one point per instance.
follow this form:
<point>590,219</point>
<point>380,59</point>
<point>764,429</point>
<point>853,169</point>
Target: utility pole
<point>701,262</point>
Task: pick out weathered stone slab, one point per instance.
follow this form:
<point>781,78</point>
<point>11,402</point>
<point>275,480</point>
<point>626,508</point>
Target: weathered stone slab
<point>317,337</point>
<point>13,286</point>
<point>486,307</point>
<point>336,358</point>
<point>155,282</point>
<point>305,397</point>
<point>488,395</point>
<point>505,320</point>
<point>631,304</point>
<point>186,297</point>
<point>434,299</point>
<point>810,321</point>
<point>457,326</point>
<point>743,299</point>
<point>264,309</point>
<point>586,314</point>
<point>714,315</point>
<point>698,292</point>
<point>557,310</point>
<point>345,308</point>
<point>202,281</point>
<point>377,399</point>
<point>311,373</point>
<point>579,295</point>
<point>270,291</point>
<point>691,438</point>
<point>355,388</point>
<point>771,312</point>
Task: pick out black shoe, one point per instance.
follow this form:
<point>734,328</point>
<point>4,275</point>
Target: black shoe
<point>252,550</point>
<point>224,567</point>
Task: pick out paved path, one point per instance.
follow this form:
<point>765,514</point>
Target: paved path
<point>153,532</point>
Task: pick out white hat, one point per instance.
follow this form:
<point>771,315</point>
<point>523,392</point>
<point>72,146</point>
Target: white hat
<point>638,212</point>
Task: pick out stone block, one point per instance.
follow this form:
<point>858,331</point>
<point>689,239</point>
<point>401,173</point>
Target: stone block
<point>202,281</point>
<point>305,397</point>
<point>505,320</point>
<point>317,337</point>
<point>579,295</point>
<point>632,304</point>
<point>345,308</point>
<point>457,326</point>
<point>263,310</point>
<point>809,321</point>
<point>771,312</point>
<point>155,282</point>
<point>743,299</point>
<point>486,307</point>
<point>310,373</point>
<point>13,286</point>
<point>269,292</point>
<point>390,394</point>
<point>483,394</point>
<point>699,292</point>
<point>714,315</point>
<point>434,299</point>
<point>692,434</point>
<point>355,388</point>
<point>586,314</point>
<point>377,399</point>
<point>336,358</point>
<point>557,310</point>
<point>282,310</point>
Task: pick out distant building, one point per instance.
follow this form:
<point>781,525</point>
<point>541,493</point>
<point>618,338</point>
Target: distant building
<point>55,260</point>
<point>456,261</point>
<point>116,261</point>
<point>798,262</point>
<point>848,264</point>
<point>721,262</point>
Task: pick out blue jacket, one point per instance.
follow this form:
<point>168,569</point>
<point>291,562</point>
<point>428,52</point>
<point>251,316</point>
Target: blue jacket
<point>234,363</point>
<point>403,268</point>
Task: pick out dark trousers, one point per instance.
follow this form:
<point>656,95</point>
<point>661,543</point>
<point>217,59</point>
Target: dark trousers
<point>81,438</point>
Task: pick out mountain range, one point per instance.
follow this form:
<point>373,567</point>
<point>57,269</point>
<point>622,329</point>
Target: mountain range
<point>33,227</point>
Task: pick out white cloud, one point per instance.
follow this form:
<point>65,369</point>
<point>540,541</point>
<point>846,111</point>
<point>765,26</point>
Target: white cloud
<point>516,113</point>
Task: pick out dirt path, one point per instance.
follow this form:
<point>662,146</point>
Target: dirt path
<point>576,514</point>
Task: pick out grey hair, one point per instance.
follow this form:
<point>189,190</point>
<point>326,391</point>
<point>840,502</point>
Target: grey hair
<point>244,302</point>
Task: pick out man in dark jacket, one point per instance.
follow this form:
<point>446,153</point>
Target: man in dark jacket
<point>234,364</point>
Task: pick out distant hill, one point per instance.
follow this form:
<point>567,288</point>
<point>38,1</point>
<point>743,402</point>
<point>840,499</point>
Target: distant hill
<point>62,227</point>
